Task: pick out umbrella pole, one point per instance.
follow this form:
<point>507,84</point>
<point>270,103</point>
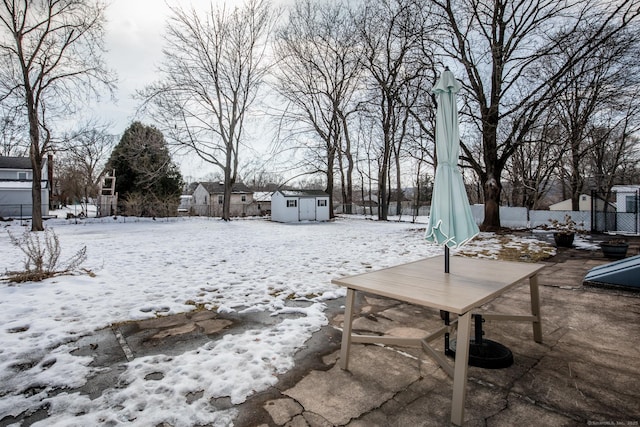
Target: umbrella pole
<point>446,259</point>
<point>445,314</point>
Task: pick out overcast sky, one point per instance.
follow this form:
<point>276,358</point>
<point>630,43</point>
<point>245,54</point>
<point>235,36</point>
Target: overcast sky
<point>134,42</point>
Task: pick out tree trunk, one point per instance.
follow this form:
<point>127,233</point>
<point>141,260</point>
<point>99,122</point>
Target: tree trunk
<point>575,176</point>
<point>399,194</point>
<point>492,190</point>
<point>491,179</point>
<point>350,166</point>
<point>330,161</point>
<point>228,190</point>
<point>349,200</point>
<point>36,194</point>
<point>383,173</point>
<point>346,208</point>
<point>382,190</point>
<point>36,165</point>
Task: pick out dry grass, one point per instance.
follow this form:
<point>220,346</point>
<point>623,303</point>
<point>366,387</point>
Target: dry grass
<point>508,248</point>
<point>42,257</point>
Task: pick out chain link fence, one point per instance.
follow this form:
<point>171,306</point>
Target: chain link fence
<point>619,212</point>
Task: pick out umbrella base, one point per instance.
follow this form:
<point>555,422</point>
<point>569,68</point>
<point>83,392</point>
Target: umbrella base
<point>486,354</point>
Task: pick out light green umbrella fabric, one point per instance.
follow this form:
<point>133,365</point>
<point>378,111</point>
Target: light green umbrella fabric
<point>451,222</point>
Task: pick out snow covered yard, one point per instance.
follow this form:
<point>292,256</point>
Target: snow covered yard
<point>147,268</point>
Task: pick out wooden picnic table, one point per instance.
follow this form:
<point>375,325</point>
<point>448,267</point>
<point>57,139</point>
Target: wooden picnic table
<point>471,283</point>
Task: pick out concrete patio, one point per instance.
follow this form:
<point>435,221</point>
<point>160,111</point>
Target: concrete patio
<point>586,372</point>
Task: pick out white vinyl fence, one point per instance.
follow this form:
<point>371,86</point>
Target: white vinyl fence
<point>510,217</point>
<point>518,217</point>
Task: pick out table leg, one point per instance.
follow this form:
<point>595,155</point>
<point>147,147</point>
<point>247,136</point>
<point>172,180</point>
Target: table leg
<point>346,329</point>
<point>460,369</point>
<point>535,308</point>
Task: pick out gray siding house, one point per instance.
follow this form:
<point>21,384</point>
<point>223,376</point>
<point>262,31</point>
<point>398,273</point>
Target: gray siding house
<point>208,197</point>
<point>16,177</point>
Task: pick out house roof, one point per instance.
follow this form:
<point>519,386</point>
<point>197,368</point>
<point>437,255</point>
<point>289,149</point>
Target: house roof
<point>303,193</point>
<point>262,196</point>
<point>7,162</point>
<point>190,189</point>
<point>218,188</point>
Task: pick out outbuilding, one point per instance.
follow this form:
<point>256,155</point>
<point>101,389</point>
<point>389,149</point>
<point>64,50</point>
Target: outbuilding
<point>299,205</point>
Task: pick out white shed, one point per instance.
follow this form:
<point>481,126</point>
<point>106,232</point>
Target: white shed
<point>299,205</point>
<point>627,197</point>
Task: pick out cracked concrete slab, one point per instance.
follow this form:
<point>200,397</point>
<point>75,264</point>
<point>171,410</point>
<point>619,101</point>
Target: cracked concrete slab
<point>349,394</point>
<point>283,410</point>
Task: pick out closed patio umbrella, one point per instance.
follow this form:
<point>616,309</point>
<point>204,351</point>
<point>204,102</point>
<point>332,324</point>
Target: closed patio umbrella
<point>451,223</point>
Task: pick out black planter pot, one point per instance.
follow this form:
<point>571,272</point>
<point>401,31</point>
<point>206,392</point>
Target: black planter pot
<point>564,240</point>
<point>614,250</point>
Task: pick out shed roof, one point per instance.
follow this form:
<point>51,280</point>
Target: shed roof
<point>7,162</point>
<point>303,193</point>
<point>218,188</point>
<point>626,187</point>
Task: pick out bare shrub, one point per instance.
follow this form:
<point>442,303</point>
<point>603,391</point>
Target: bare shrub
<point>134,204</point>
<point>42,251</point>
<point>150,205</point>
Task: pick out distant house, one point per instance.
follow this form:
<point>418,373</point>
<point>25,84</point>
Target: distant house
<point>585,204</point>
<point>262,202</point>
<point>565,205</point>
<point>16,178</point>
<point>208,199</point>
<point>299,205</point>
<point>186,199</point>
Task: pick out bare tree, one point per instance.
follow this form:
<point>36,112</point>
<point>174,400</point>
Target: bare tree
<point>213,67</point>
<point>82,164</point>
<point>365,149</point>
<point>501,45</point>
<point>13,139</point>
<point>532,168</point>
<point>596,111</point>
<point>394,37</point>
<point>318,74</point>
<point>51,55</point>
<point>614,149</point>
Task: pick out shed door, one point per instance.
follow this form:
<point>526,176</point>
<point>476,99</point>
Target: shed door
<point>307,209</point>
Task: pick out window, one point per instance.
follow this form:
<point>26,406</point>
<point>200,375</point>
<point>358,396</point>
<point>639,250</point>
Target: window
<point>322,202</point>
<point>632,204</point>
<point>244,198</point>
<point>22,176</point>
<point>220,200</point>
<point>292,203</point>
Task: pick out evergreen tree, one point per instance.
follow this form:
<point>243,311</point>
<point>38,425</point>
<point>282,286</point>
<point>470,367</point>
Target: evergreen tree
<point>147,181</point>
